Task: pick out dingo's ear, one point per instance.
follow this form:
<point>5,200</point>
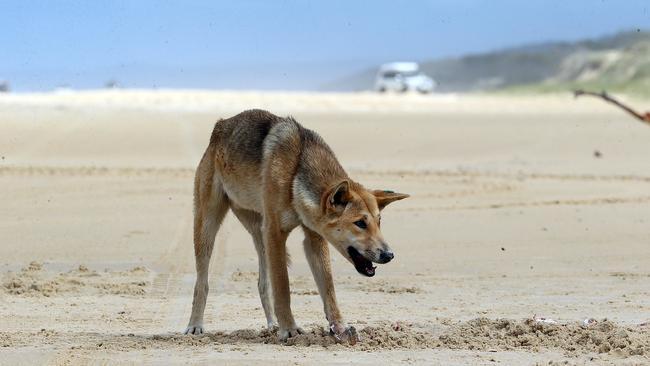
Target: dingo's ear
<point>386,197</point>
<point>338,196</point>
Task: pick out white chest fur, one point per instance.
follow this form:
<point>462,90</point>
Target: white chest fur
<point>289,219</point>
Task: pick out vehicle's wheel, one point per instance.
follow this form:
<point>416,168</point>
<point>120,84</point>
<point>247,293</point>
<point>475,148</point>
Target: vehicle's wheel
<point>403,89</point>
<point>424,91</point>
<point>382,89</point>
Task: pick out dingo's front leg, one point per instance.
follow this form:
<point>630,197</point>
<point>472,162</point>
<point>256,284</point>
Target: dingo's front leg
<point>318,256</point>
<point>276,251</point>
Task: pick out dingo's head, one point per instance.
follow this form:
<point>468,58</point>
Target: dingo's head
<point>352,220</point>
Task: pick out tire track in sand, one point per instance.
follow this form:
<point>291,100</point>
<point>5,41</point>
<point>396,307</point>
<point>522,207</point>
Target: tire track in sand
<point>488,182</point>
<point>185,172</point>
<point>175,288</point>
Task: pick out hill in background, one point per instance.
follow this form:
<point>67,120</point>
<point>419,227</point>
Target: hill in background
<point>618,63</point>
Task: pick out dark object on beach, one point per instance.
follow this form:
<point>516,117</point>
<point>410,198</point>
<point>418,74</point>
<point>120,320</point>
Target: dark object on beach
<point>598,154</point>
<point>604,96</point>
<point>111,84</point>
<point>4,86</point>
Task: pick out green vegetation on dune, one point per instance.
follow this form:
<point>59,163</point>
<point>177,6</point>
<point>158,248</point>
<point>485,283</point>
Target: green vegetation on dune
<point>617,63</point>
<point>625,70</point>
<point>641,88</point>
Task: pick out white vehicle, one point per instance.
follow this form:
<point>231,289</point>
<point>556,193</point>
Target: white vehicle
<point>402,77</point>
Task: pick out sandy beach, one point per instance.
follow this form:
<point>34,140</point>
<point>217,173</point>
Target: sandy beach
<point>522,208</point>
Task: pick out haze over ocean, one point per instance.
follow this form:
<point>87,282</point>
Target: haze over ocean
<point>272,45</point>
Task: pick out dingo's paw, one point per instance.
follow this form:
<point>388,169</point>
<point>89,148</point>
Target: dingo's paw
<point>344,334</point>
<point>284,334</point>
<point>194,329</point>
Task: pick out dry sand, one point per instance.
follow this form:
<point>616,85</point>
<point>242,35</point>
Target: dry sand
<point>513,215</point>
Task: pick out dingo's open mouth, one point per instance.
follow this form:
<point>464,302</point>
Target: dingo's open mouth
<point>361,264</point>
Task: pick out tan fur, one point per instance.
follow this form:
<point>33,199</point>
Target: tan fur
<point>276,175</point>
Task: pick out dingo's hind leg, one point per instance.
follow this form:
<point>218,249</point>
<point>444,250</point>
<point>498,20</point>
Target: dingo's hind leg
<point>210,207</point>
<point>252,221</point>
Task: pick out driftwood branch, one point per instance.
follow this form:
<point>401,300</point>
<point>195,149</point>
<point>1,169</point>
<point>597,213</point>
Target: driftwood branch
<point>604,96</point>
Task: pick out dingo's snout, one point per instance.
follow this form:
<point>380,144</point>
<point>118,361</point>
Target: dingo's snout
<point>386,256</point>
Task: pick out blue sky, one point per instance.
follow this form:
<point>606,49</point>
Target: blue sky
<point>273,44</point>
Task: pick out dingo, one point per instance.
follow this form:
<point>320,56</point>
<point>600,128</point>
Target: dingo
<point>275,175</point>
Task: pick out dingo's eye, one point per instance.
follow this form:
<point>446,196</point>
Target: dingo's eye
<point>361,224</point>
